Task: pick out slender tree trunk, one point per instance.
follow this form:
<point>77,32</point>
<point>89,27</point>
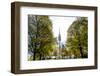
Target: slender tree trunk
<point>81,51</point>
<point>34,55</point>
<point>40,56</point>
<point>80,47</point>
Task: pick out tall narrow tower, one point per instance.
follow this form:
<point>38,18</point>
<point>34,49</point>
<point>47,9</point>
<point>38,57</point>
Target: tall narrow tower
<point>59,41</point>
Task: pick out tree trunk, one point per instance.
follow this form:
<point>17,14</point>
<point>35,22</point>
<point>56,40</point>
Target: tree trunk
<point>34,55</point>
<point>81,52</point>
<point>40,56</point>
<point>34,52</point>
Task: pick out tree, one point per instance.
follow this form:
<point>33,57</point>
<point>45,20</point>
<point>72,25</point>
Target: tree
<point>40,36</point>
<point>77,40</point>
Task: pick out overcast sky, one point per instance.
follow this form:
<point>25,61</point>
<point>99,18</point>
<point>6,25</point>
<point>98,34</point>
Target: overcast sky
<point>62,23</point>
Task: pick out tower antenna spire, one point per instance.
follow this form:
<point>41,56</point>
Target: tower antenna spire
<point>59,37</point>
